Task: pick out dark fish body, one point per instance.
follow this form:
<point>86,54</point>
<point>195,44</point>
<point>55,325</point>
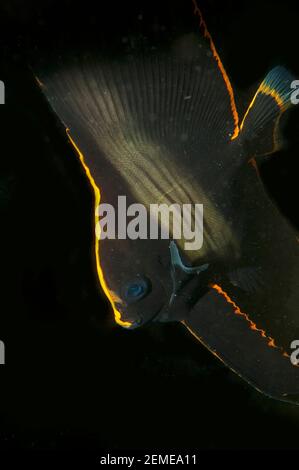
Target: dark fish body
<point>161,126</point>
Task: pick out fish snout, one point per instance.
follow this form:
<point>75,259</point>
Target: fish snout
<point>132,320</point>
<point>129,320</point>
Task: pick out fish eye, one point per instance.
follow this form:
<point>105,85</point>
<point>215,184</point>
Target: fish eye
<point>136,289</point>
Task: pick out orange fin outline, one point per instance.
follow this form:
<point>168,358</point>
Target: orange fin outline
<point>270,341</point>
<point>226,79</point>
<point>279,94</point>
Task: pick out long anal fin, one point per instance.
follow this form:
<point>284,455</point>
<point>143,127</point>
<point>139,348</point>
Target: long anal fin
<point>229,334</point>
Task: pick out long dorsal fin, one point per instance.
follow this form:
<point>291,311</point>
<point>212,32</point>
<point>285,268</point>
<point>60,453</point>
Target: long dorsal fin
<point>226,79</point>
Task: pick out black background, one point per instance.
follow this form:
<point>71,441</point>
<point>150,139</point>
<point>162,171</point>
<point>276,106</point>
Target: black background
<point>73,379</point>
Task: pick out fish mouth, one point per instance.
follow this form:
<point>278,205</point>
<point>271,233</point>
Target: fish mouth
<point>141,322</point>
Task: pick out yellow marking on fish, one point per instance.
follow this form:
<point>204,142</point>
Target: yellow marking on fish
<point>266,90</point>
<point>111,296</point>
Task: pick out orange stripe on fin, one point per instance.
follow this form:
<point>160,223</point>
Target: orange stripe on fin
<point>266,90</point>
<point>270,341</point>
<point>278,85</point>
<point>227,82</point>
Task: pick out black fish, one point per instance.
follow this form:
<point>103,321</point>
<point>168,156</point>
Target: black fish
<point>161,126</point>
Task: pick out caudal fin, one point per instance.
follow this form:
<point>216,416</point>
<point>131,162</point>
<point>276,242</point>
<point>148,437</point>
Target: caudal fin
<point>260,125</point>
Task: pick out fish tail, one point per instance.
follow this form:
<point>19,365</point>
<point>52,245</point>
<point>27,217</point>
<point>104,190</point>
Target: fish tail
<point>260,124</point>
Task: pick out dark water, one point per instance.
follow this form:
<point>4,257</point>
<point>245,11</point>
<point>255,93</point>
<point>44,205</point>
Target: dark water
<point>74,380</point>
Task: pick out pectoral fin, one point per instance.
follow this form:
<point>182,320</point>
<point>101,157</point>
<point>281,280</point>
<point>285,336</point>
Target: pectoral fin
<point>177,261</point>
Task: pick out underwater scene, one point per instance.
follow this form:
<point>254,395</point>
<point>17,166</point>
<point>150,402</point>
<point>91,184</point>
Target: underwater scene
<point>150,246</point>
